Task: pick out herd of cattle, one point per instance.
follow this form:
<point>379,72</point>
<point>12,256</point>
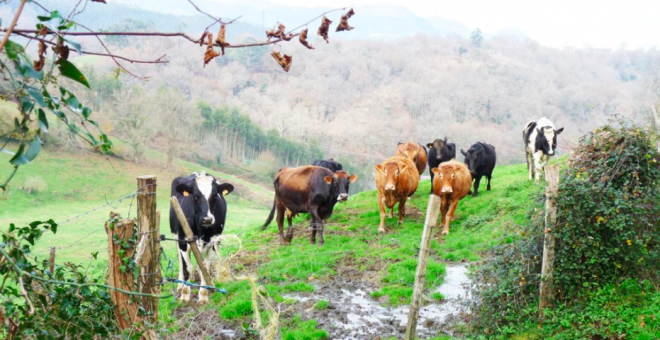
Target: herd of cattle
<point>315,189</point>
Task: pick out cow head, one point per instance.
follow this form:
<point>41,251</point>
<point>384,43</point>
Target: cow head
<point>343,181</point>
<point>472,156</point>
<point>546,139</point>
<point>444,178</point>
<point>391,171</point>
<point>206,191</point>
<point>438,145</point>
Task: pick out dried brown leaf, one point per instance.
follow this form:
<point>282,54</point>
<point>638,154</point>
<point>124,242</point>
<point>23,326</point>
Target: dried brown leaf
<point>343,23</point>
<point>284,61</point>
<point>221,38</point>
<point>61,49</point>
<point>43,31</point>
<point>271,34</point>
<point>211,53</point>
<point>323,29</point>
<point>39,64</point>
<point>303,39</point>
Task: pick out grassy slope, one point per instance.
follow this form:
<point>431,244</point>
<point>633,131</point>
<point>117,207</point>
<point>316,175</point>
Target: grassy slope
<point>355,251</point>
<point>78,183</point>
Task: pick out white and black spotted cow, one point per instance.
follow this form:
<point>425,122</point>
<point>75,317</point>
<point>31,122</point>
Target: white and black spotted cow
<point>202,200</point>
<point>540,139</point>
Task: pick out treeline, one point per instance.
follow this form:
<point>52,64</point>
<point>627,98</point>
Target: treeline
<point>241,139</point>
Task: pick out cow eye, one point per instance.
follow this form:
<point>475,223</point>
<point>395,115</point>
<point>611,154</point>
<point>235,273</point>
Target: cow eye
<point>453,175</point>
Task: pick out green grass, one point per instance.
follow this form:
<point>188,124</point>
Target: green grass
<point>78,183</point>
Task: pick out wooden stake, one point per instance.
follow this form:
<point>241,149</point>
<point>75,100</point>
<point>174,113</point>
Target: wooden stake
<point>420,275</point>
<point>189,235</point>
<point>545,298</point>
<point>150,276</point>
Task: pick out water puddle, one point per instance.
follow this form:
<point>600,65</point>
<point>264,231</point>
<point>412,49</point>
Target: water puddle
<point>354,314</point>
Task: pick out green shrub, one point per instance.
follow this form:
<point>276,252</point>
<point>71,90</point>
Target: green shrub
<point>607,236</point>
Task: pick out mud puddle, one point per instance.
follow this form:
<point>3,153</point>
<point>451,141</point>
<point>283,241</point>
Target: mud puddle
<point>353,314</point>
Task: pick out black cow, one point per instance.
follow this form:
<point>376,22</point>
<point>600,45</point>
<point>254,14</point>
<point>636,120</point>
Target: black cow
<point>480,159</point>
<point>307,189</point>
<point>202,200</point>
<point>330,164</point>
<point>439,152</point>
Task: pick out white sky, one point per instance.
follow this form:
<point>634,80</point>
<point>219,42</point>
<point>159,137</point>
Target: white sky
<point>558,23</point>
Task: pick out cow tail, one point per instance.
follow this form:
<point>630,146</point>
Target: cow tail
<point>270,217</point>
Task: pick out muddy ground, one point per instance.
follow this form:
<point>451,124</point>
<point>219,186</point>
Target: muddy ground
<point>351,314</point>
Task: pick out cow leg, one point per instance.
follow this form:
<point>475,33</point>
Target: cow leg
<point>383,213</point>
<point>317,223</point>
<point>402,210</point>
<point>477,180</point>
<point>280,223</point>
<point>184,274</point>
<point>530,165</point>
<point>450,216</point>
<point>208,252</point>
<point>289,220</point>
<point>392,212</point>
<point>432,174</point>
<point>443,209</point>
<point>539,165</point>
<point>489,176</point>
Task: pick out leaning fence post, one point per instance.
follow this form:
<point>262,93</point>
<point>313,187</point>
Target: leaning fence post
<point>150,276</point>
<point>420,275</point>
<point>552,178</point>
<point>189,235</point>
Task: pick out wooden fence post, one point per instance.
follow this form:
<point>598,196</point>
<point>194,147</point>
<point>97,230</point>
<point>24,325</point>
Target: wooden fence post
<point>546,292</point>
<point>150,276</point>
<point>193,245</point>
<point>420,275</point>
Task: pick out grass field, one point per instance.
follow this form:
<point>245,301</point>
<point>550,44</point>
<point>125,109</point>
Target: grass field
<point>354,251</point>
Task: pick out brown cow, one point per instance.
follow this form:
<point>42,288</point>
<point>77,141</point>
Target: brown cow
<point>414,152</point>
<point>396,179</point>
<point>452,182</point>
<point>307,189</point>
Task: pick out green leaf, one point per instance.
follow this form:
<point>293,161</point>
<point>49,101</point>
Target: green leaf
<point>34,149</point>
<point>86,112</point>
<point>43,121</point>
<point>27,70</point>
<point>13,49</point>
<point>76,45</point>
<point>73,101</point>
<point>70,71</point>
<point>37,97</point>
<point>19,158</point>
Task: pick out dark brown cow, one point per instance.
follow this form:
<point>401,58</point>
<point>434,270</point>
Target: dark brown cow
<point>307,189</point>
<point>452,183</point>
<point>414,152</point>
<point>396,179</point>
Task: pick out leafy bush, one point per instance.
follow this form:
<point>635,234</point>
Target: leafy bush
<point>46,308</point>
<point>35,185</point>
<point>607,233</point>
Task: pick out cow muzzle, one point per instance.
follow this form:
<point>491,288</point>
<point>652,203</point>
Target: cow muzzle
<point>390,187</point>
<point>207,221</point>
<point>342,197</point>
<point>447,189</point>
<point>551,152</point>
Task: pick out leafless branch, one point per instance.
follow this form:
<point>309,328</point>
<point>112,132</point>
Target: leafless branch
<point>318,17</point>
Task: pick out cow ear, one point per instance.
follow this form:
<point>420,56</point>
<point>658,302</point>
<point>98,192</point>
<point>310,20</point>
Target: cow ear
<point>445,139</point>
<point>435,170</point>
<point>379,168</point>
<point>224,188</point>
<point>353,178</point>
<point>559,131</point>
<point>185,188</point>
<point>463,152</point>
<point>429,145</point>
<point>399,143</point>
<point>328,179</point>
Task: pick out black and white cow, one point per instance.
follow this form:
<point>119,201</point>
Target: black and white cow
<point>480,160</point>
<point>201,197</point>
<point>540,139</point>
<point>439,152</point>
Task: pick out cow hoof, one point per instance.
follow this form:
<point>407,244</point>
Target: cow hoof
<point>185,294</point>
<point>203,296</point>
<point>381,230</point>
<point>444,233</point>
<point>399,222</point>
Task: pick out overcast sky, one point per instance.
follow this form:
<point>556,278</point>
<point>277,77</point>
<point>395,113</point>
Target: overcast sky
<point>558,23</point>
